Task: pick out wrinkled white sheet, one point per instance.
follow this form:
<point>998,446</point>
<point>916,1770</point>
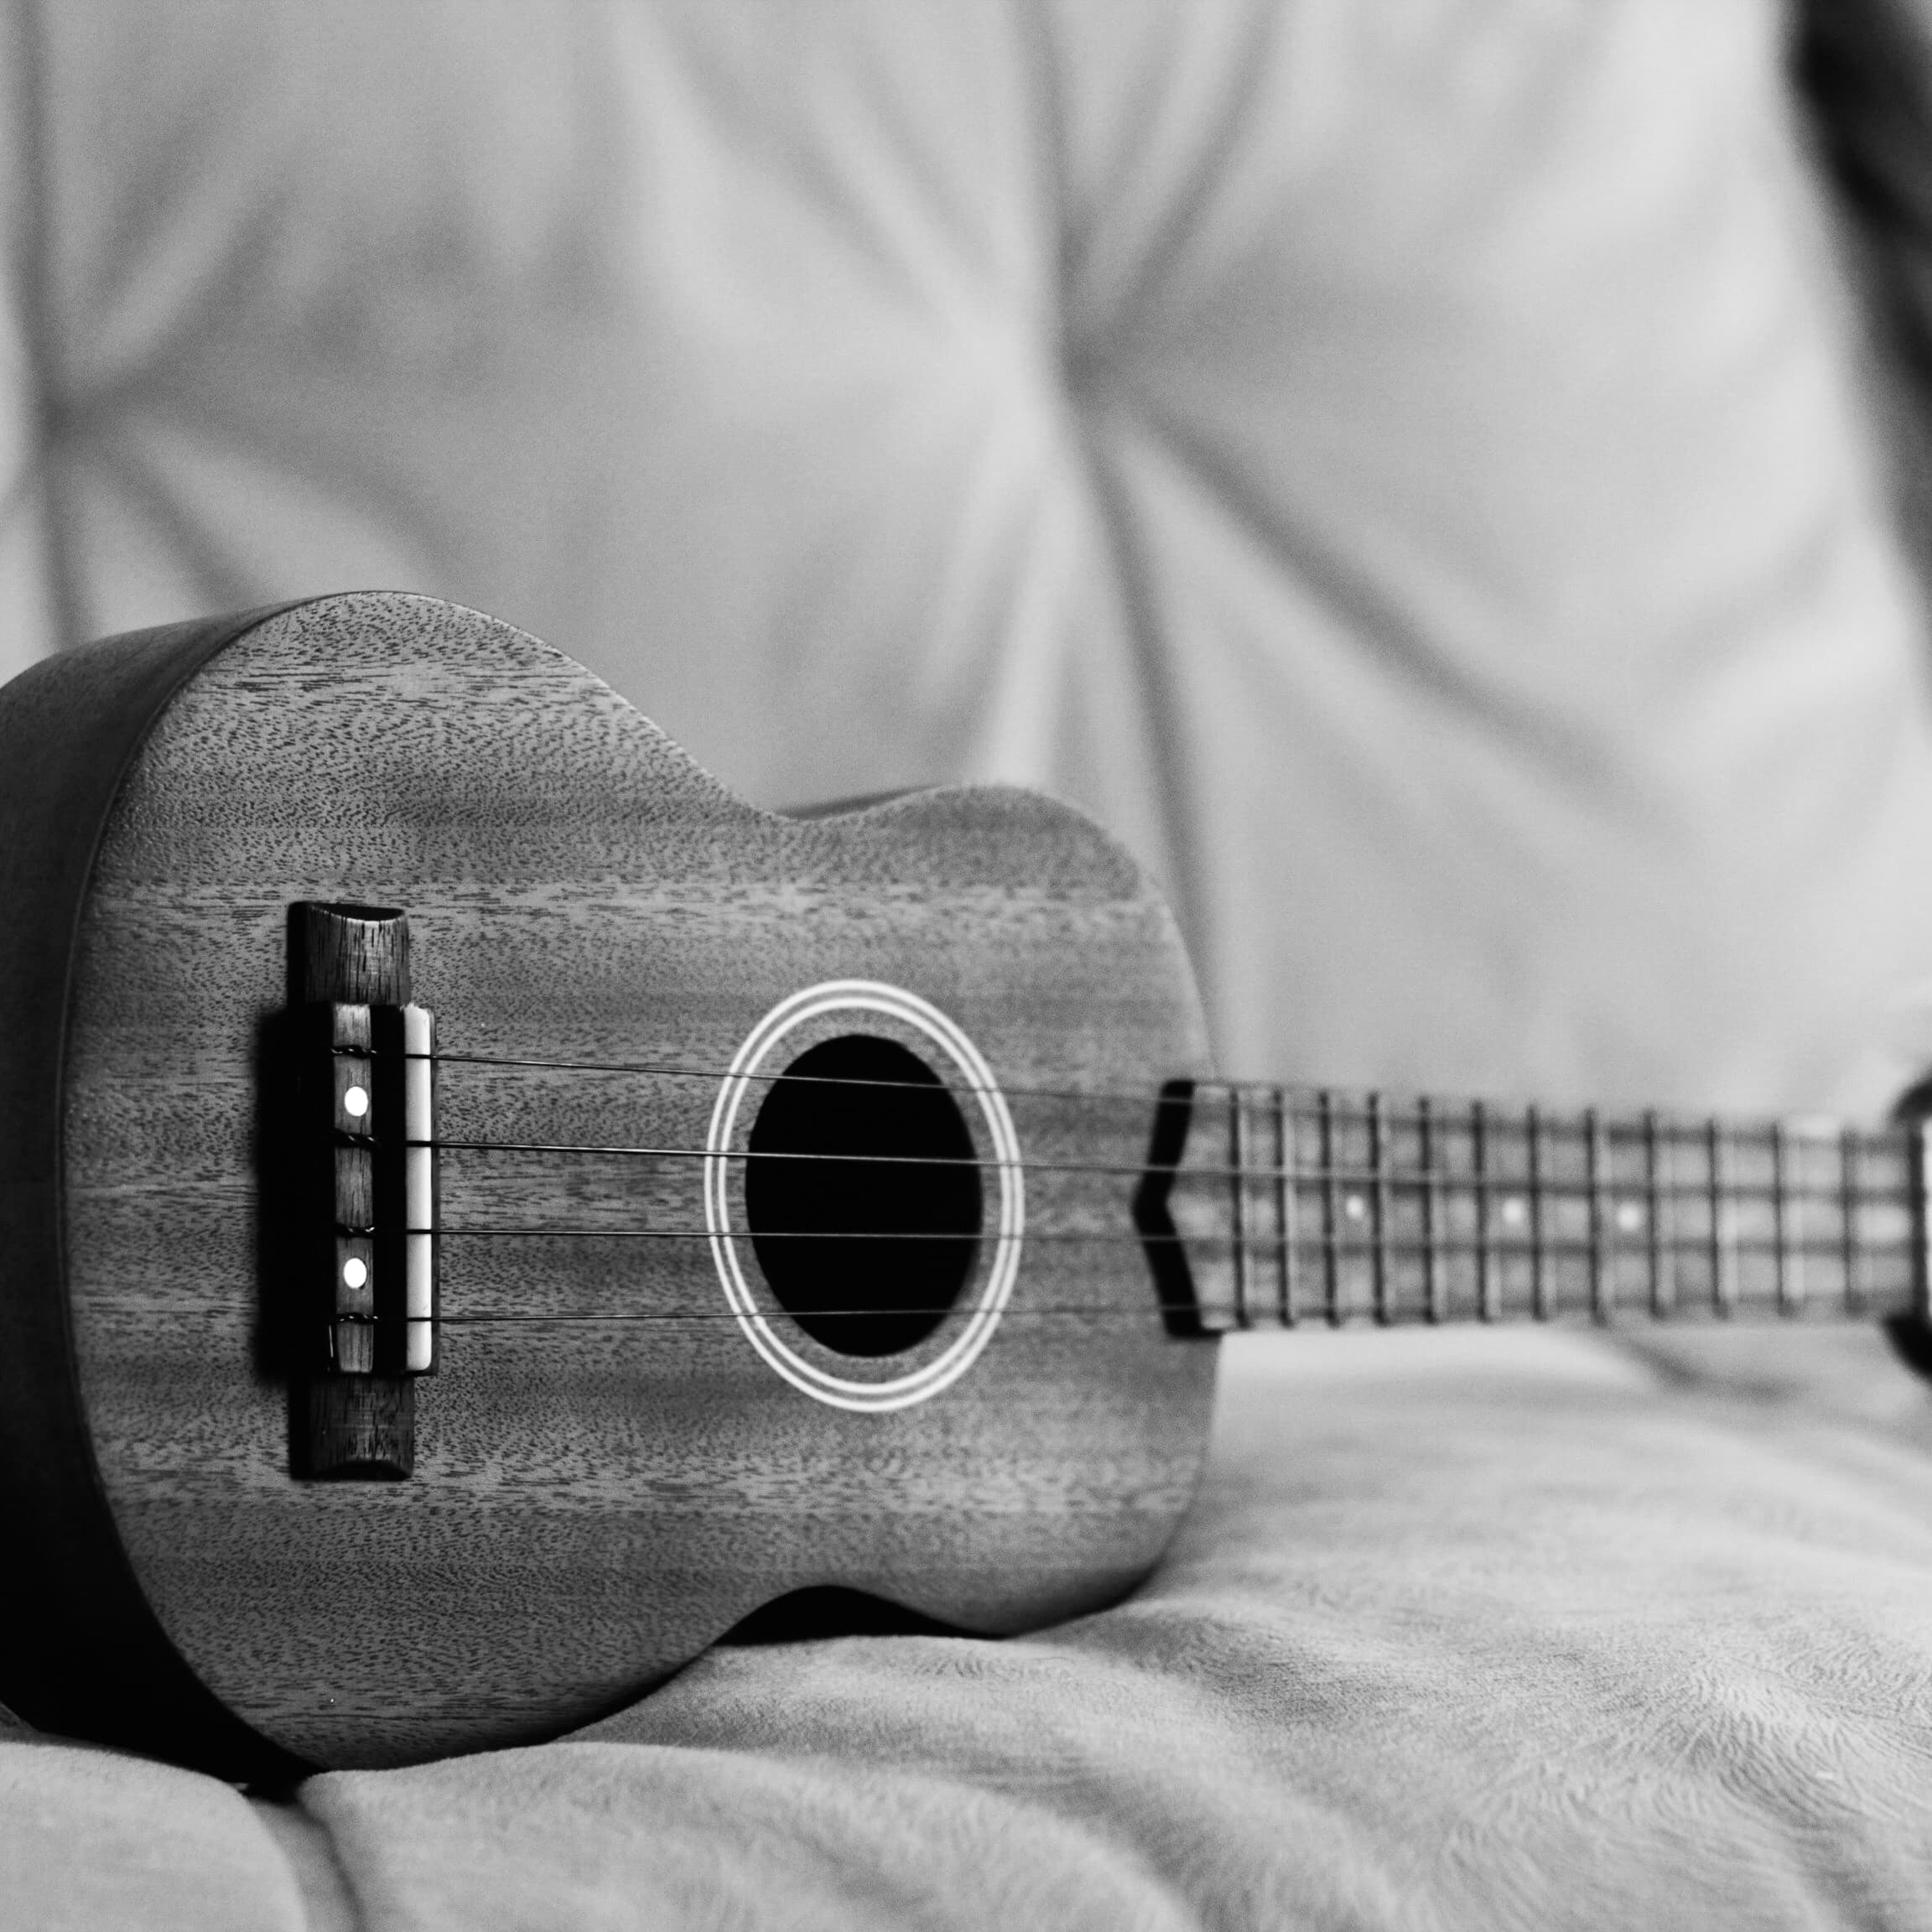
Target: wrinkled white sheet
<point>1466,1631</point>
<point>1402,465</point>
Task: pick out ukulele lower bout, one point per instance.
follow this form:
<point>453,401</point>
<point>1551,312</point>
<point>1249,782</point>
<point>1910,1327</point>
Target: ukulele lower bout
<point>559,1275</point>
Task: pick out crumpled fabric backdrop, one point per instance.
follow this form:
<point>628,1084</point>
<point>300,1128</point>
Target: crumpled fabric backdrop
<point>1409,468</point>
<point>1466,1632</point>
<point>1403,466</point>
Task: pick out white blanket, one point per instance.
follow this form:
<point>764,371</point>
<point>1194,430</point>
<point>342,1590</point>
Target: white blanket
<point>1466,1631</point>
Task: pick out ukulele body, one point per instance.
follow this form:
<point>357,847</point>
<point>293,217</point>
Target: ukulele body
<point>610,1471</point>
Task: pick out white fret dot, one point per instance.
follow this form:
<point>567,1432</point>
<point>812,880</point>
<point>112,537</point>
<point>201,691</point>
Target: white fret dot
<point>355,1102</point>
<point>1355,1208</point>
<point>1629,1216</point>
<point>1515,1213</point>
<point>354,1272</point>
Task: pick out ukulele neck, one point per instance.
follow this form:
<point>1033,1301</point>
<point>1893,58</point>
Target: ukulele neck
<point>1290,1205</point>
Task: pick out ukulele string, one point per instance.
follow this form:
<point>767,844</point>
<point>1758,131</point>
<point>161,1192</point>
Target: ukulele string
<point>1326,1111</point>
<point>1357,1243</point>
<point>948,1161</point>
<point>1344,1108</point>
<point>1301,1105</point>
<point>1692,1297</point>
<point>1690,1189</point>
<point>1365,1246</point>
<point>668,1070</point>
<point>1692,1290</point>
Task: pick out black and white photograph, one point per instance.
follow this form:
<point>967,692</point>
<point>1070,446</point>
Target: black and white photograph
<point>966,966</point>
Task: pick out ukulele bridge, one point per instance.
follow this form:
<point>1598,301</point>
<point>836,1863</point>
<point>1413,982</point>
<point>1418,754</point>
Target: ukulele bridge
<point>365,1094</point>
<point>377,1090</point>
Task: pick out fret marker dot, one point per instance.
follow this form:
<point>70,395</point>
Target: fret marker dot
<point>354,1272</point>
<point>1514,1212</point>
<point>355,1102</point>
<point>1355,1208</point>
<point>1629,1216</point>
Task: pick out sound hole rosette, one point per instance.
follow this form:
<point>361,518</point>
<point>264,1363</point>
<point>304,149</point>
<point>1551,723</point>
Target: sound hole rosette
<point>803,1019</point>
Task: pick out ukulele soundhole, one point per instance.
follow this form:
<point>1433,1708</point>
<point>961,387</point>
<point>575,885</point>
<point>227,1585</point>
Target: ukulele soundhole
<point>861,1196</point>
<point>865,1195</point>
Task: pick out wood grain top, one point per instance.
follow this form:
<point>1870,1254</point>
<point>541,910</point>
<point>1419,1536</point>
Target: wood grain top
<point>608,1475</point>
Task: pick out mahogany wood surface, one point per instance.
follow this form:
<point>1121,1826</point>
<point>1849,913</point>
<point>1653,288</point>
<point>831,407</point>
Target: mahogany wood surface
<point>607,1476</point>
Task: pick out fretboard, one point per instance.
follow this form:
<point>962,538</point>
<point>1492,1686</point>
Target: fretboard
<point>1293,1205</point>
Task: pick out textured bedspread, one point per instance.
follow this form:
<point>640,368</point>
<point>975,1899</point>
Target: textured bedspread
<point>1474,1631</point>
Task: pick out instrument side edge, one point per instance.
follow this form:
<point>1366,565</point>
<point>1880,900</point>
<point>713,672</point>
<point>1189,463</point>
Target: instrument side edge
<point>81,1650</point>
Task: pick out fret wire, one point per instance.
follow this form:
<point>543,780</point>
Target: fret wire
<point>1593,1158</point>
<point>1331,1212</point>
<point>1779,1232</point>
<point>1238,1185</point>
<point>1794,1211</point>
<point>1723,1288</point>
<point>1653,1186</point>
<point>1378,1205</point>
<point>1922,1223</point>
<point>1539,1271</point>
<point>1432,1283</point>
<point>1489,1286</point>
<point>1287,1214</point>
<point>1847,1195</point>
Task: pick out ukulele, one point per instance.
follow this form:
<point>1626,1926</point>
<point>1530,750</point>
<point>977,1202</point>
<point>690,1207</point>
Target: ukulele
<point>483,1212</point>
